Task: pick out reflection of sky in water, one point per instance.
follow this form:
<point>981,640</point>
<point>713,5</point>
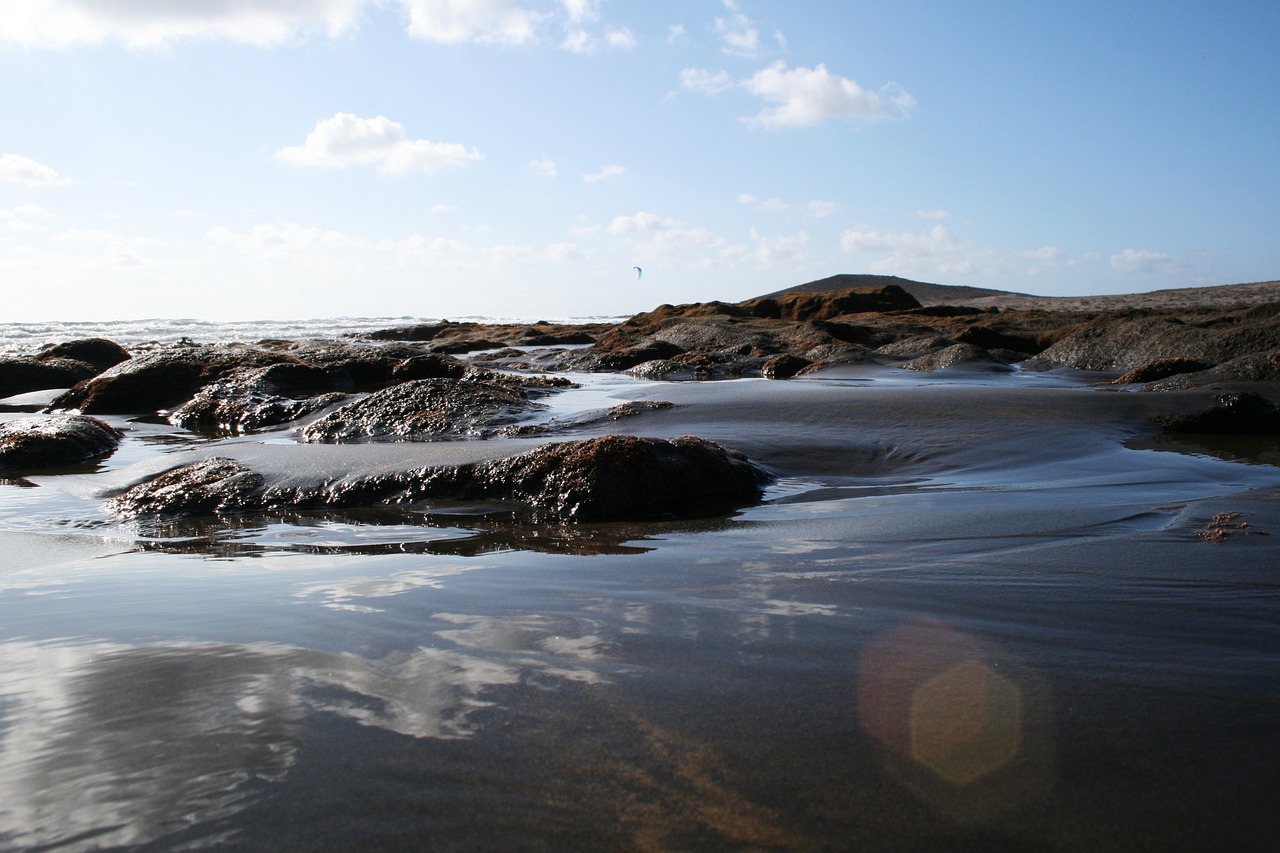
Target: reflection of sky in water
<point>104,744</point>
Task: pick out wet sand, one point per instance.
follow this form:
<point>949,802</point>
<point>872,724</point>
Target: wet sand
<point>974,611</point>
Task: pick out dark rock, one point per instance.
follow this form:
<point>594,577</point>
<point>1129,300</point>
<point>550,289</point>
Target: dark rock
<point>358,367</point>
<point>98,352</point>
<point>611,478</point>
<point>618,477</point>
<point>235,409</point>
<point>630,356</point>
<point>433,366</point>
<point>1161,369</point>
<point>991,339</point>
<point>23,375</point>
<point>51,441</point>
<point>425,332</point>
<point>465,345</point>
<point>826,305</point>
<point>215,485</point>
<point>162,379</point>
<point>1235,414</point>
<point>783,366</point>
<point>1257,367</point>
<point>423,409</point>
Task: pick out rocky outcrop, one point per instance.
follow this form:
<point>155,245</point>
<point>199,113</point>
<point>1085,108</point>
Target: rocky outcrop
<point>834,303</point>
<point>1234,414</point>
<point>234,409</point>
<point>50,441</point>
<point>611,478</point>
<point>100,353</point>
<point>162,379</point>
<point>22,375</point>
<point>424,409</point>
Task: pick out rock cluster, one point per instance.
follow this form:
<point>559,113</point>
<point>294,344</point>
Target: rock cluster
<point>51,441</point>
<point>607,478</point>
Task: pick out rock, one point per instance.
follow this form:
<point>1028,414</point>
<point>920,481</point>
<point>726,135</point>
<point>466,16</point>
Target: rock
<point>98,352</point>
<point>783,366</point>
<point>237,410</point>
<point>162,379</point>
<point>1162,369</point>
<point>611,478</point>
<point>1235,414</point>
<point>1257,367</point>
<point>828,304</point>
<point>22,375</point>
<point>953,355</point>
<point>214,485</point>
<point>360,367</point>
<point>424,332</point>
<point>588,419</point>
<point>423,409</point>
<point>51,441</point>
<point>618,477</point>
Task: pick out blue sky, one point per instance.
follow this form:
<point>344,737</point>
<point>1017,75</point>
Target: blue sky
<point>242,159</point>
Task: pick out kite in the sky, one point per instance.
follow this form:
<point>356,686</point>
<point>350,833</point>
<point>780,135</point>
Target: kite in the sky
<point>639,272</point>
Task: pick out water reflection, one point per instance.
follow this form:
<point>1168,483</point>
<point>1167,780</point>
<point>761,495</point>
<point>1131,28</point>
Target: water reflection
<point>397,531</point>
<point>105,744</point>
<point>967,729</point>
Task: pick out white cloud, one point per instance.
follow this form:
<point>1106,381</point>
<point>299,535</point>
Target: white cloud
<point>544,167</point>
<point>561,252</point>
<point>621,38</point>
<point>774,204</point>
<point>737,32</point>
<point>16,169</point>
<point>809,96</point>
<point>485,21</point>
<point>1140,261</point>
<point>933,214</point>
<point>676,33</point>
<point>641,221</point>
<point>934,251</point>
<point>702,80</point>
<point>58,23</point>
<point>347,140</point>
<point>820,209</point>
<point>605,174</point>
<point>582,10</point>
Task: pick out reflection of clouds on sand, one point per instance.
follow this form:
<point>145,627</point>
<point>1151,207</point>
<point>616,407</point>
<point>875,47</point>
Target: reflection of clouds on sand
<point>105,744</point>
<point>338,595</point>
<point>966,729</point>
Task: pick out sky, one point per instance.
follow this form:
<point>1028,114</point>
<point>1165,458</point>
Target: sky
<point>285,159</point>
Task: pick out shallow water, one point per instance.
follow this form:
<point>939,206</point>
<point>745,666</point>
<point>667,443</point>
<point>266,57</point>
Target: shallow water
<point>972,613</point>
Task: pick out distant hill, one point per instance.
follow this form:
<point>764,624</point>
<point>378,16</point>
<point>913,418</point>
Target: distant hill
<point>924,292</point>
<point>1254,293</point>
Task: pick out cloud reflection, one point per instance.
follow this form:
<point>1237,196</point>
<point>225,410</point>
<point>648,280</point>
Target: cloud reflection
<point>105,744</point>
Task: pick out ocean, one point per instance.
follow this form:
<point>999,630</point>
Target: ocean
<point>971,612</point>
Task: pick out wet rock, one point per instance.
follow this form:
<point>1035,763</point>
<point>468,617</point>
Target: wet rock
<point>424,409</point>
<point>22,375</point>
<point>236,410</point>
<point>360,367</point>
<point>611,478</point>
<point>98,352</point>
<point>1257,367</point>
<point>422,332</point>
<point>215,485</point>
<point>1162,369</point>
<point>162,379</point>
<point>1234,414</point>
<point>953,355</point>
<point>783,366</point>
<point>630,354</point>
<point>50,441</point>
<point>619,477</point>
<point>989,338</point>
